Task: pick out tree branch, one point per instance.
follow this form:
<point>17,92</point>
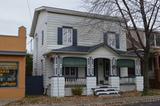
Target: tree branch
<point>134,25</point>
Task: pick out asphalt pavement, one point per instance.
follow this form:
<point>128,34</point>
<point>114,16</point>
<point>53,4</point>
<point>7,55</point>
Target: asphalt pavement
<point>146,104</point>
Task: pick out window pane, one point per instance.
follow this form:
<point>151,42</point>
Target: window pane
<point>73,71</point>
<point>131,72</point>
<point>67,36</point>
<point>157,40</point>
<point>8,74</point>
<point>66,70</point>
<point>152,40</point>
<point>112,40</point>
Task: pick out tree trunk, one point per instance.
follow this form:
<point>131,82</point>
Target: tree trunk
<point>145,72</point>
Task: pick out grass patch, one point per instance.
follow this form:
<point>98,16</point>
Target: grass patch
<point>151,92</point>
<point>130,94</point>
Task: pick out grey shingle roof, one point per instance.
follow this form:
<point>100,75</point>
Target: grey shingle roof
<point>88,49</point>
<point>83,49</point>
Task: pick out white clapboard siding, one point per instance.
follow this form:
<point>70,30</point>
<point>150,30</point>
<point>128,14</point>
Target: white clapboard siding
<point>48,72</point>
<point>87,35</point>
<point>39,49</point>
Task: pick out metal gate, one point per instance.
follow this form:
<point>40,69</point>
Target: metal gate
<point>34,85</point>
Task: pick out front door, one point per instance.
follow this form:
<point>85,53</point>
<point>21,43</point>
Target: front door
<point>101,68</point>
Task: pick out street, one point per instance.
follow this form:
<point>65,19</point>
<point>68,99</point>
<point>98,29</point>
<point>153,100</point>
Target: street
<point>146,104</point>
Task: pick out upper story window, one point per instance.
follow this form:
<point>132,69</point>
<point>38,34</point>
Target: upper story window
<point>112,39</point>
<point>155,40</point>
<point>67,34</point>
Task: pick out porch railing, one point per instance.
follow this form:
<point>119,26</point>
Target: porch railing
<point>75,81</point>
<point>127,80</point>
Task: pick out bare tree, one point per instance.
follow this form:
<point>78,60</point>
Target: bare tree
<point>135,13</point>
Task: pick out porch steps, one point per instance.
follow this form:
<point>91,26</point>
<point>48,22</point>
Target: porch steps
<point>106,91</point>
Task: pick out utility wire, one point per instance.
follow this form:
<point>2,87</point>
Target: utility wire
<point>29,43</point>
<point>29,9</point>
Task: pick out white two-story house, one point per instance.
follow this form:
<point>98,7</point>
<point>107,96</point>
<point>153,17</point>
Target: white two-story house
<point>78,48</point>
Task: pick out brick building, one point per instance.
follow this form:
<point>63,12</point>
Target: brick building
<point>12,65</point>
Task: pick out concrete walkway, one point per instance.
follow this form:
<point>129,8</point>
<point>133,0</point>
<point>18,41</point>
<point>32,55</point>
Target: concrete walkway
<point>4,102</point>
<point>84,101</point>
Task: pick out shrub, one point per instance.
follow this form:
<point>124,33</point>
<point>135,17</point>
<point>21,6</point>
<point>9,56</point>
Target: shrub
<point>77,90</point>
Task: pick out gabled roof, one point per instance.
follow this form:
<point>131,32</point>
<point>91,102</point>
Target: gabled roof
<point>89,49</point>
<point>69,12</point>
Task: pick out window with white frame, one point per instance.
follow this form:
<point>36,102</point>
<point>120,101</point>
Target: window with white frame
<point>152,40</point>
<point>70,72</point>
<point>155,40</point>
<point>111,39</point>
<point>67,36</point>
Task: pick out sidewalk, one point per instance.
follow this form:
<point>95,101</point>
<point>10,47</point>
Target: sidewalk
<point>83,101</point>
<point>4,102</point>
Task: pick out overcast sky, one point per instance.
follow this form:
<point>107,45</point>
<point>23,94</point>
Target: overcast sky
<point>15,13</point>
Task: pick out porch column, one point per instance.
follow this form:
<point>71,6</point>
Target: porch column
<point>114,78</point>
<point>57,81</point>
<point>91,79</point>
<point>137,67</point>
<point>139,78</point>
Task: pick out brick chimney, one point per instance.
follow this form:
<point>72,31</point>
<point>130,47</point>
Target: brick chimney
<point>22,35</point>
<point>22,31</point>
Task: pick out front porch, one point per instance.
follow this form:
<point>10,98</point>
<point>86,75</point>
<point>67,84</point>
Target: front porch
<point>89,72</point>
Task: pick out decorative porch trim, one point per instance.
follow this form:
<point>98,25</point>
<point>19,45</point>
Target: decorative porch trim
<point>90,67</point>
<point>57,66</point>
<point>137,67</point>
<point>114,67</point>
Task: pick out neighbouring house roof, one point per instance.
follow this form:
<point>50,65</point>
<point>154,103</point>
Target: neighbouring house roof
<point>88,49</point>
<point>12,53</point>
<point>142,29</point>
<point>69,12</point>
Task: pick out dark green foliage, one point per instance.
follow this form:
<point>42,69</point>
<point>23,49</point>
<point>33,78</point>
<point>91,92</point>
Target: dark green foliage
<point>29,65</point>
<point>77,90</point>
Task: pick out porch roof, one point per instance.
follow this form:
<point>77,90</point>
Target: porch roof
<point>88,49</point>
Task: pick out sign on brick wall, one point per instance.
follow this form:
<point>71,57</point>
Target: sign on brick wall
<point>8,74</point>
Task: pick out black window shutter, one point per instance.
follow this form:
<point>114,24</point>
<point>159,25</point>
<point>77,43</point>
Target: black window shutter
<point>42,37</point>
<point>59,36</point>
<point>117,41</point>
<point>105,38</point>
<point>74,37</point>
